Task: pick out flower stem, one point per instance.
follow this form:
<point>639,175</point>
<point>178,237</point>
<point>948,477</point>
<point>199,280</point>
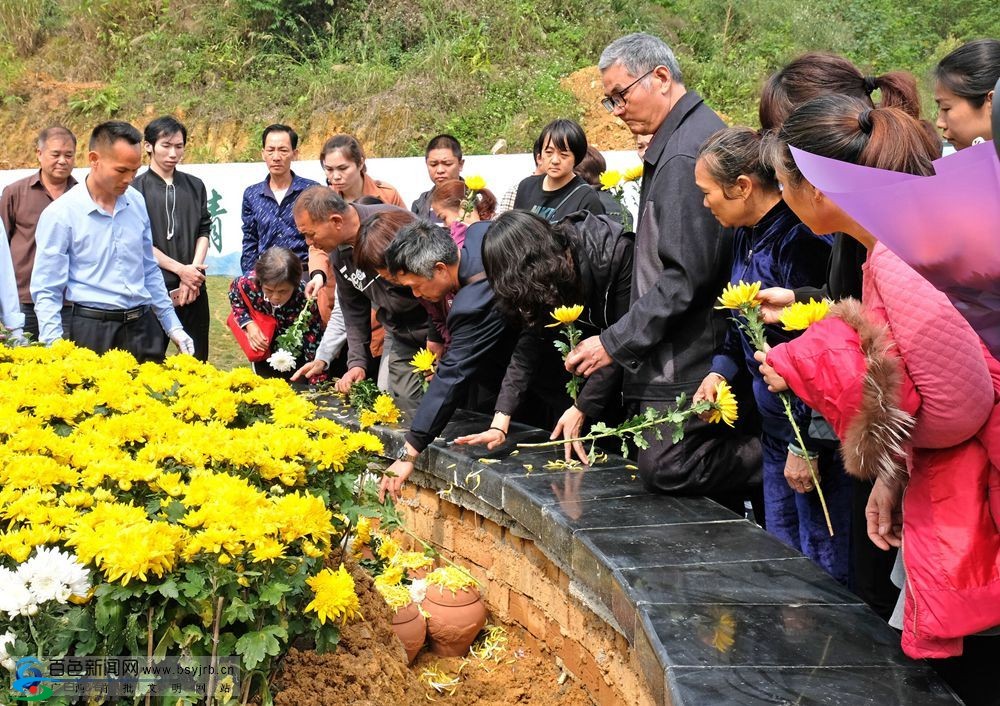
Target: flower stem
<point>633,426</point>
<point>787,402</point>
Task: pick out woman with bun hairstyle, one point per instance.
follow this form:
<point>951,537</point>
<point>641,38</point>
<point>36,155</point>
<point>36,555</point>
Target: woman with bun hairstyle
<point>773,247</point>
<point>804,78</point>
<point>907,385</point>
<point>964,82</point>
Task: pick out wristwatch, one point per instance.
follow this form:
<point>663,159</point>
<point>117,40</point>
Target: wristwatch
<point>403,456</point>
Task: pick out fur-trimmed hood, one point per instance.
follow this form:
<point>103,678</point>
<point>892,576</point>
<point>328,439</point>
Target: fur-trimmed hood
<point>873,445</point>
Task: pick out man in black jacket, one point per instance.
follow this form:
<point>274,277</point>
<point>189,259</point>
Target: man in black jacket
<point>332,225</point>
<point>178,214</point>
<point>682,262</point>
<point>425,258</point>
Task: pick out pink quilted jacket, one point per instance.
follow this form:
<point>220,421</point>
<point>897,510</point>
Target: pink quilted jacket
<point>943,356</point>
<point>904,379</point>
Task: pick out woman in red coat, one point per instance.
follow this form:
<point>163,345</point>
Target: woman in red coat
<point>907,385</point>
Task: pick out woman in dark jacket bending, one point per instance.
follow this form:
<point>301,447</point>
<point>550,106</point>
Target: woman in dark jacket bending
<point>535,266</point>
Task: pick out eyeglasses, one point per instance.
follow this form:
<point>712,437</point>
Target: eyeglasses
<point>617,98</point>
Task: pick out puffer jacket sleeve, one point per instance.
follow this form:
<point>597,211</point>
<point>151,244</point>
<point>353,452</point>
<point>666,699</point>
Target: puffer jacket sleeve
<point>844,367</point>
<point>943,354</point>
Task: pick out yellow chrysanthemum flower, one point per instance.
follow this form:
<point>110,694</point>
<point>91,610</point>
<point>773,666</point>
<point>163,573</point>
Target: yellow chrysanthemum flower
<point>610,179</point>
<point>564,315</point>
<point>367,418</point>
<point>385,410</point>
<point>363,530</point>
<point>800,316</point>
<point>387,547</point>
<point>335,597</point>
<point>423,361</point>
<point>267,549</point>
<point>475,183</point>
<point>392,576</point>
<point>737,296</point>
<point>634,173</point>
<point>725,408</point>
<point>412,560</point>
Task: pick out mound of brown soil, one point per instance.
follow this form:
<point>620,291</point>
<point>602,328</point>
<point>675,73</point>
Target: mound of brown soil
<point>604,130</point>
<point>369,669</point>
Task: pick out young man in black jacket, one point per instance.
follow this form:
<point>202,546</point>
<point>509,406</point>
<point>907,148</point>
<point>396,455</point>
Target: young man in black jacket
<point>682,262</point>
<point>178,214</point>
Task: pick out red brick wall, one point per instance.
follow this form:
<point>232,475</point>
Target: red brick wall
<point>522,586</point>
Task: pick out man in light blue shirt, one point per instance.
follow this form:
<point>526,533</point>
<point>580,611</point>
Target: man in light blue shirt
<point>95,250</point>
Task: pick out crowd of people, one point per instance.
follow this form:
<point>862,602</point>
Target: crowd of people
<point>897,391</point>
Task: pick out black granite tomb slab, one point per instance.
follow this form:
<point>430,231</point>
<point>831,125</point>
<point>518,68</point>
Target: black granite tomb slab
<point>712,635</point>
<point>560,520</point>
<point>717,611</point>
<point>778,581</point>
<point>596,553</point>
<point>808,686</point>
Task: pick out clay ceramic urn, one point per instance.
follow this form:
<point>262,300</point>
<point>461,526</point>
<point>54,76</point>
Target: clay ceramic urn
<point>455,618</point>
<point>411,628</point>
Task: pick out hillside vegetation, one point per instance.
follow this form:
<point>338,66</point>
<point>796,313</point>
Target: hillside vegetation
<point>396,71</point>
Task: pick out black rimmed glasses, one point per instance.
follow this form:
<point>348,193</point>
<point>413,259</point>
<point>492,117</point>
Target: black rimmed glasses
<point>617,98</point>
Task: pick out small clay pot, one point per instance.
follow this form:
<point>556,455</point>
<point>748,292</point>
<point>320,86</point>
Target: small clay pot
<point>410,627</point>
<point>454,619</point>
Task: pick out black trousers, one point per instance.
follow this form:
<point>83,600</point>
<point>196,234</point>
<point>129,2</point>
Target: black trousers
<point>142,337</point>
<point>195,319</point>
<point>711,459</point>
<point>870,566</point>
<point>973,676</point>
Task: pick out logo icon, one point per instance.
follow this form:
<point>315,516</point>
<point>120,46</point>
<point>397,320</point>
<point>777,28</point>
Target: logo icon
<point>30,681</point>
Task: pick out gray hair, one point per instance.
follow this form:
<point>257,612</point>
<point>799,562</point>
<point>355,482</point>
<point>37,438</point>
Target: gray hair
<point>419,246</point>
<point>52,132</point>
<point>640,53</point>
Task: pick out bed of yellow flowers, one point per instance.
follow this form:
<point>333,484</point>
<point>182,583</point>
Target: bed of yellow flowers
<point>169,509</point>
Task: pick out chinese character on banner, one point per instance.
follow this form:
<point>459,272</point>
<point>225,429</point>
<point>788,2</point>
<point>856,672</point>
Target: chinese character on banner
<point>215,210</point>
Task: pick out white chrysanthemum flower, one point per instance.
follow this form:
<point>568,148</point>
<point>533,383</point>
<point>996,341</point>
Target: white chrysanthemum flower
<point>282,361</point>
<point>418,590</point>
<point>6,645</point>
<point>15,597</point>
<point>54,575</point>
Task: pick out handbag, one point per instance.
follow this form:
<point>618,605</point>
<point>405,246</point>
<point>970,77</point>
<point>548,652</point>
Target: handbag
<point>267,325</point>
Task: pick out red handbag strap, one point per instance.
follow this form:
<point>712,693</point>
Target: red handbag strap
<point>253,313</point>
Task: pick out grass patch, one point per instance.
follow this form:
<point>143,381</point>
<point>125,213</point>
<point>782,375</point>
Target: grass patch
<point>397,71</point>
<point>223,352</point>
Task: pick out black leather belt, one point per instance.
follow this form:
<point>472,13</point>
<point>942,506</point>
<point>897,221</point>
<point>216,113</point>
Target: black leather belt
<point>126,315</point>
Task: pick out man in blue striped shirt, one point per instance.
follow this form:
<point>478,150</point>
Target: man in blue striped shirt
<point>267,205</point>
<point>95,250</point>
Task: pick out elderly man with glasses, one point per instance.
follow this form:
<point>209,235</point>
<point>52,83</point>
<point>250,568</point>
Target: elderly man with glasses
<point>682,261</point>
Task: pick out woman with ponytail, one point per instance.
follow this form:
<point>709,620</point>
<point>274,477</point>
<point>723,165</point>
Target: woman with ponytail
<point>818,74</point>
<point>448,201</point>
<point>807,77</point>
<point>773,247</point>
<point>907,385</point>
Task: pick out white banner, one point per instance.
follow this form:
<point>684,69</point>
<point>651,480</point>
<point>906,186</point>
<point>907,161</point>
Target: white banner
<point>226,183</point>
